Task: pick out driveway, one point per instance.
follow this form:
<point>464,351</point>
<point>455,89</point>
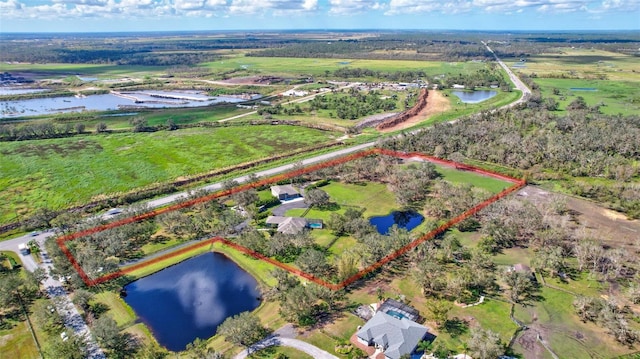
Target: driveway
<point>284,337</point>
<point>283,208</point>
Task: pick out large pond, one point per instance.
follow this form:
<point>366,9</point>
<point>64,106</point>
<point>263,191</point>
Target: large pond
<point>403,219</point>
<point>474,96</point>
<point>112,101</point>
<point>189,300</point>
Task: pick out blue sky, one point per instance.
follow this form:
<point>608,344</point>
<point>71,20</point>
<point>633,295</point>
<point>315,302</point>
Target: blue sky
<point>177,15</point>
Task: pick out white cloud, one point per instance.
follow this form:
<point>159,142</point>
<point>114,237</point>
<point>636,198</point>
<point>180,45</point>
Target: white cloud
<point>147,9</point>
<point>351,7</point>
<point>278,7</point>
<point>398,7</point>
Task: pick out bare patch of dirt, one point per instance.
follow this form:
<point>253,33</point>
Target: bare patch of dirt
<point>436,103</point>
<point>611,227</point>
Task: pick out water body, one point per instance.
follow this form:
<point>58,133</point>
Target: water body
<point>106,102</point>
<point>474,96</point>
<point>189,300</point>
<point>583,89</point>
<point>407,220</point>
<point>18,90</point>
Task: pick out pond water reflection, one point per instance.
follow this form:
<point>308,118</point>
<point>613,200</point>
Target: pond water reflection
<point>189,300</point>
<point>474,96</point>
<point>403,219</point>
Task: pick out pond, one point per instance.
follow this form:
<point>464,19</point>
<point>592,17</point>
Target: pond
<point>112,101</point>
<point>474,96</point>
<point>403,219</point>
<point>190,299</point>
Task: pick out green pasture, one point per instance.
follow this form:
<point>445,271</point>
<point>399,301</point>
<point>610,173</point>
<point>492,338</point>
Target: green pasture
<point>618,97</point>
<point>58,173</point>
<point>315,67</point>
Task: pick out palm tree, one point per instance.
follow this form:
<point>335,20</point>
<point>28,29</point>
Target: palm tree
<point>425,346</point>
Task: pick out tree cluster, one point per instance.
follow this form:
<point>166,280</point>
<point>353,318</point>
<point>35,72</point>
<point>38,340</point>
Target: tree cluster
<point>536,142</point>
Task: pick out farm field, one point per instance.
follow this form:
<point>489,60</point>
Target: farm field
<point>246,65</point>
<point>57,173</point>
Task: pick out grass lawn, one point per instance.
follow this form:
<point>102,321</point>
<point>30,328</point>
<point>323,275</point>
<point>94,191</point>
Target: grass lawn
<point>490,184</point>
<point>340,329</point>
<point>154,247</point>
<point>154,267</point>
<point>564,332</point>
<point>375,197</point>
<point>272,352</point>
<point>120,311</point>
<point>57,173</point>
<point>18,343</point>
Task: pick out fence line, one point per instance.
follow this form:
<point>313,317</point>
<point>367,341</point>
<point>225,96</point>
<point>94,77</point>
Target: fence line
<point>517,184</point>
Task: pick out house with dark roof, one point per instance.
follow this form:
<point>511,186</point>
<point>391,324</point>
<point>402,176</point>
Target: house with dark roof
<point>292,225</point>
<point>394,335</point>
<point>285,192</point>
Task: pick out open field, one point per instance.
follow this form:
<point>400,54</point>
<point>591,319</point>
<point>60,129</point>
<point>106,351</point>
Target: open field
<point>581,63</point>
<point>617,97</point>
<point>315,67</point>
<point>555,321</point>
<point>57,173</point>
<point>17,343</point>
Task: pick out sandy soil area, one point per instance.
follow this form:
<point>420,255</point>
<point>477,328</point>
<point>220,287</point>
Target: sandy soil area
<point>436,103</point>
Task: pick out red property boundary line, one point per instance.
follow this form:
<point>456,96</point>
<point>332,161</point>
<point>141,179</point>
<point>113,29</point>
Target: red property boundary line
<point>517,184</point>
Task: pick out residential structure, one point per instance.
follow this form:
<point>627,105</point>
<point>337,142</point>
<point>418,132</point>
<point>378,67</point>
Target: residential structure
<point>285,192</point>
<point>292,225</point>
<point>394,335</point>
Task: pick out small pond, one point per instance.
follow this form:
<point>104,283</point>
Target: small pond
<point>189,300</point>
<point>474,96</point>
<point>407,220</point>
<point>18,90</point>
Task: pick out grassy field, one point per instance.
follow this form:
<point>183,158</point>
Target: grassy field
<point>562,329</point>
<point>490,184</point>
<point>314,67</point>
<point>57,173</point>
<point>17,343</point>
<point>618,97</point>
<point>582,63</point>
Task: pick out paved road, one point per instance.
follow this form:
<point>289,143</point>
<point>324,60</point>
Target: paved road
<point>285,337</point>
<point>54,289</point>
<point>516,81</point>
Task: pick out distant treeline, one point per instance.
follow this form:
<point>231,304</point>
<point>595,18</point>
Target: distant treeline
<point>392,47</point>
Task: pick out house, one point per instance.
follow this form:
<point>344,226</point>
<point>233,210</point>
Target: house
<point>292,225</point>
<point>395,336</point>
<point>287,225</point>
<point>456,86</point>
<point>285,192</point>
